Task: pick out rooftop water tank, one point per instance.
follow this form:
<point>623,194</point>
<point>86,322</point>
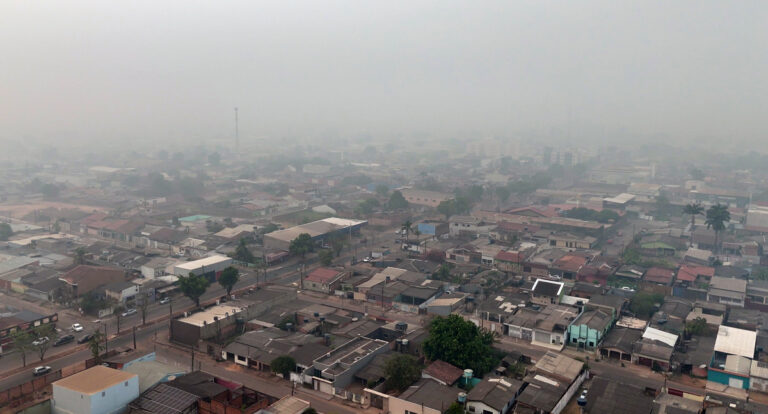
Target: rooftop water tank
<point>462,397</point>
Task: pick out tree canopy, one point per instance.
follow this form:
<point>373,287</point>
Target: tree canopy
<point>5,231</point>
<point>326,257</point>
<point>460,342</point>
<point>193,287</point>
<point>397,201</point>
<point>401,370</point>
<point>229,278</point>
<point>242,254</point>
<point>643,304</point>
<point>301,245</point>
<point>283,365</point>
<point>581,213</point>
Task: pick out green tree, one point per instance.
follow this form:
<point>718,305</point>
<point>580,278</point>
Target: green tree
<point>96,345</point>
<point>309,410</point>
<point>502,195</point>
<point>302,245</point>
<point>5,231</point>
<point>397,201</point>
<point>643,304</point>
<point>455,408</point>
<point>91,304</point>
<point>193,287</point>
<point>382,190</point>
<point>716,218</point>
<point>22,341</point>
<point>460,342</point>
<point>50,190</point>
<point>366,207</point>
<point>697,326</point>
<point>242,254</point>
<point>44,331</point>
<point>759,273</point>
<point>283,365</point>
<point>229,278</point>
<point>696,173</point>
<point>447,208</point>
<point>269,228</point>
<point>401,370</point>
<point>407,227</point>
<point>80,255</point>
<point>326,257</point>
<point>337,243</point>
<point>693,210</point>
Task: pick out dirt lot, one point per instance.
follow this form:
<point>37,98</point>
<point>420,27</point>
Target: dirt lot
<point>50,208</point>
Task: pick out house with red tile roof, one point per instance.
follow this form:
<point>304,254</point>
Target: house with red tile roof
<point>324,280</point>
<point>689,274</point>
<point>510,261</point>
<point>442,372</point>
<point>660,275</point>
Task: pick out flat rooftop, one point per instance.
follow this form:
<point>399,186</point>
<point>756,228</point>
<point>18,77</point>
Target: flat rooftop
<point>206,316</point>
<point>351,351</point>
<point>94,379</point>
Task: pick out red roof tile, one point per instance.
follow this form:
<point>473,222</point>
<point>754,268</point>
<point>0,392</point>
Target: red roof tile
<point>322,275</point>
<point>443,371</point>
<point>659,275</point>
<point>689,273</point>
<point>514,257</point>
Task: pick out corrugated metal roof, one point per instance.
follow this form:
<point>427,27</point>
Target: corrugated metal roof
<point>736,341</point>
<point>659,335</point>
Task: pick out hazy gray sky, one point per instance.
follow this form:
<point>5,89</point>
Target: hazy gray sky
<point>171,69</point>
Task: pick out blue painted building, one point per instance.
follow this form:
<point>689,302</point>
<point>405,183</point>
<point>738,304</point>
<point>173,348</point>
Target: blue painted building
<point>732,357</point>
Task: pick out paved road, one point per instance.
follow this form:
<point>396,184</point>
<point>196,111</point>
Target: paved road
<point>143,336</point>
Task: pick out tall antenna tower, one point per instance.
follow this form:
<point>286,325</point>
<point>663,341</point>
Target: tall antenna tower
<point>237,131</point>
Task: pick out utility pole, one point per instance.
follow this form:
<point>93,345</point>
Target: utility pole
<point>192,348</point>
<point>134,337</point>
<point>170,320</point>
<point>106,339</point>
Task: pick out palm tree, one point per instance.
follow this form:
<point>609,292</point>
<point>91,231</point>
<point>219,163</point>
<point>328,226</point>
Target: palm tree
<point>407,227</point>
<point>693,209</point>
<point>716,218</point>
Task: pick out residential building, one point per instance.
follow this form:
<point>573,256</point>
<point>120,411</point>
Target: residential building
<point>121,291</point>
<point>728,291</point>
<point>209,267</point>
<point>324,280</point>
<point>570,241</point>
<point>97,390</point>
<point>468,226</point>
<point>555,380</point>
<point>732,358</point>
<point>84,279</point>
<point>606,395</point>
<point>442,372</point>
<point>619,342</point>
<point>424,397</point>
<point>589,329</point>
<point>336,369</point>
<point>494,395</point>
<point>655,348</point>
<point>425,198</point>
<point>546,292</point>
<point>433,228</point>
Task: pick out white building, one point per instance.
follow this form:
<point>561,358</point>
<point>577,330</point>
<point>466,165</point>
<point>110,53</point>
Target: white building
<point>203,266</point>
<point>98,390</point>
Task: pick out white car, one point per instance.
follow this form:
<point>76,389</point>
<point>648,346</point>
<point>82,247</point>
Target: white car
<point>41,370</point>
<point>77,327</point>
<point>40,341</point>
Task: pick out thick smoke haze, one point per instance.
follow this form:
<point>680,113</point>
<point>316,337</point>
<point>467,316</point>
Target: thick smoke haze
<point>151,71</point>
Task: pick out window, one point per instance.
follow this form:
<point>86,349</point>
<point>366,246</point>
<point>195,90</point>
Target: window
<point>103,393</point>
<point>471,408</point>
<point>126,383</point>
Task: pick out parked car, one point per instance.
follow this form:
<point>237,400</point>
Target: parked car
<point>41,370</point>
<point>64,340</point>
<point>165,300</point>
<point>77,327</point>
<point>40,341</point>
<point>84,339</point>
<point>129,312</point>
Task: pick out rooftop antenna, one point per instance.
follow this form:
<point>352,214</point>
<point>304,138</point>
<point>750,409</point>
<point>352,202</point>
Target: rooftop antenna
<point>237,132</point>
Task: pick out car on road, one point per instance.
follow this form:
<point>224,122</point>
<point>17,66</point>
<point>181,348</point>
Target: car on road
<point>165,300</point>
<point>129,312</point>
<point>77,327</point>
<point>41,370</point>
<point>64,340</point>
<point>84,339</point>
<point>40,341</point>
